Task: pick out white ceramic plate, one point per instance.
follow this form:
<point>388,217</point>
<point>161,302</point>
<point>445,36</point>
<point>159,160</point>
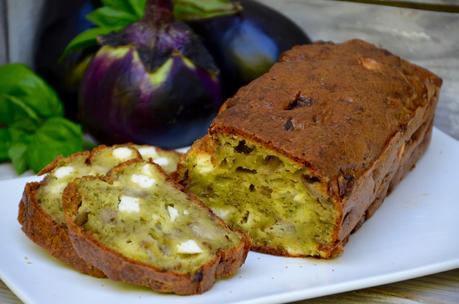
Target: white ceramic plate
<point>414,233</point>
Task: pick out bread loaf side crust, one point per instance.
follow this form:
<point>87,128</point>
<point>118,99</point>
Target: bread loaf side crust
<point>118,267</point>
<point>43,230</point>
<point>46,233</point>
<point>357,116</point>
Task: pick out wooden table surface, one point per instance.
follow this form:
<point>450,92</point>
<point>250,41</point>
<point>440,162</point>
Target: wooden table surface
<point>430,39</point>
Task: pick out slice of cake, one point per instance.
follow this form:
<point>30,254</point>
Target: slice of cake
<point>301,156</point>
<point>41,212</point>
<point>137,226</point>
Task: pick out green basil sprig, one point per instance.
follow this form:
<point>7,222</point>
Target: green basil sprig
<point>33,130</point>
<point>115,15</point>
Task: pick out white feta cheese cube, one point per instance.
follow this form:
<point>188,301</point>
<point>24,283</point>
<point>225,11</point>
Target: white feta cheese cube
<point>57,188</point>
<point>148,152</point>
<point>221,213</point>
<point>129,204</point>
<point>64,171</point>
<point>143,180</point>
<point>173,213</point>
<point>189,247</point>
<point>162,161</point>
<point>122,153</point>
<point>146,169</point>
<point>204,163</point>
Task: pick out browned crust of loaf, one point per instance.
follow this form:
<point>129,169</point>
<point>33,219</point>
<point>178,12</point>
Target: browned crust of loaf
<point>55,163</point>
<point>357,177</point>
<point>103,147</point>
<point>43,230</point>
<point>120,268</point>
<point>49,235</point>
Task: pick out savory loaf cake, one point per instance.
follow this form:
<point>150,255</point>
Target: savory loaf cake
<point>137,226</point>
<point>41,212</point>
<point>301,156</point>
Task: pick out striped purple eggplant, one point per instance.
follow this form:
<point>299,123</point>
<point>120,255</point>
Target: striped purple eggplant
<point>152,83</point>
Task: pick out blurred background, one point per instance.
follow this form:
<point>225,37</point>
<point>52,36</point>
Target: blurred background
<point>426,36</point>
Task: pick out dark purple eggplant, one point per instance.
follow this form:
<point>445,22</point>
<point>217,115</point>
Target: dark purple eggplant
<point>152,83</point>
<point>63,21</point>
<point>247,44</point>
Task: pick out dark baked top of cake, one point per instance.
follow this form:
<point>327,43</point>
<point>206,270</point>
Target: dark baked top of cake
<point>332,107</point>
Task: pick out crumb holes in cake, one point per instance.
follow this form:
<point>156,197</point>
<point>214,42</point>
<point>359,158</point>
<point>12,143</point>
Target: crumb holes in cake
<point>246,170</point>
<point>224,163</point>
<point>243,148</point>
<point>208,191</point>
<point>245,217</point>
<point>272,161</point>
<point>288,125</point>
<point>300,101</point>
<point>198,276</point>
<point>311,179</point>
<point>266,191</point>
<point>345,183</point>
<point>81,218</point>
<point>251,188</point>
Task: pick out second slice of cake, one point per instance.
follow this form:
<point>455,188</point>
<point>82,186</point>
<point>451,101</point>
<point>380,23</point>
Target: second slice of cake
<point>137,226</point>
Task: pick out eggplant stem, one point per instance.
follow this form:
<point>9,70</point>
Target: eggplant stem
<point>158,11</point>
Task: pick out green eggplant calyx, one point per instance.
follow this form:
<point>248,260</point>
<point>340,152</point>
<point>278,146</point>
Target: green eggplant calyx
<point>114,52</point>
<point>159,76</point>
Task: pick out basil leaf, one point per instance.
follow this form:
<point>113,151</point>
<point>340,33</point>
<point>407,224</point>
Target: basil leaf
<point>17,153</point>
<point>21,89</point>
<point>122,5</point>
<point>5,141</point>
<point>13,109</point>
<point>32,129</point>
<point>188,10</point>
<point>57,136</point>
<point>22,130</point>
<point>111,18</point>
<point>86,39</point>
<point>138,6</point>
